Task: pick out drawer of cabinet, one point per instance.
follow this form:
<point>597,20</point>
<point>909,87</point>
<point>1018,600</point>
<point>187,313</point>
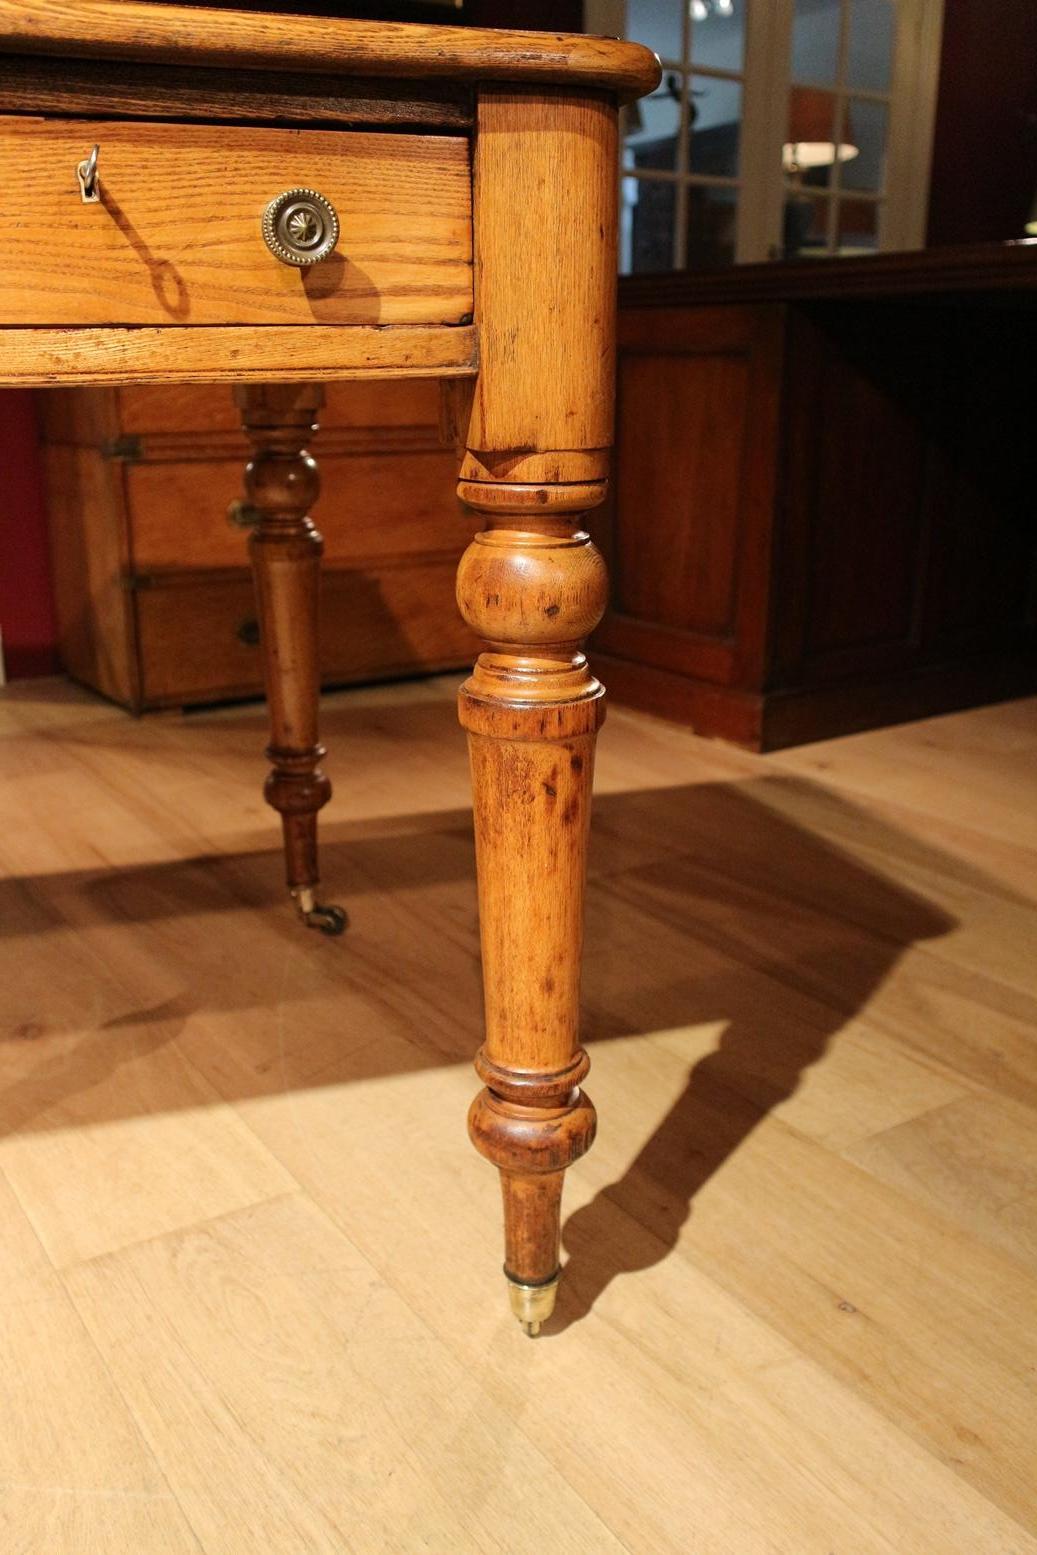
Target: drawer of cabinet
<point>176,233</point>
<point>372,506</point>
<point>198,641</point>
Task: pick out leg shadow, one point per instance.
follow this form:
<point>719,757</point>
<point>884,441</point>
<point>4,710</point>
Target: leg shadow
<point>798,934</point>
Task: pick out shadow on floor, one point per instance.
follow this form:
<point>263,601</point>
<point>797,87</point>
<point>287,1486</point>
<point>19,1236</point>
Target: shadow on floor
<point>762,905</point>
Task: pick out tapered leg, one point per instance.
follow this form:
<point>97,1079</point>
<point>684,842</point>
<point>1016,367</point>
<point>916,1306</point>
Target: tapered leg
<point>536,441</point>
<point>532,586</point>
<point>281,485</point>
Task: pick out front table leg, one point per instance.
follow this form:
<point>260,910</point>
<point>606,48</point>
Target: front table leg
<point>281,484</point>
<point>536,441</point>
<point>532,586</point>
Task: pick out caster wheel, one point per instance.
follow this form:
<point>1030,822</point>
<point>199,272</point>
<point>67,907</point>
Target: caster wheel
<point>329,920</point>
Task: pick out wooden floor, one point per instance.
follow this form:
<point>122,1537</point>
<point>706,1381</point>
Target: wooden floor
<point>251,1296</point>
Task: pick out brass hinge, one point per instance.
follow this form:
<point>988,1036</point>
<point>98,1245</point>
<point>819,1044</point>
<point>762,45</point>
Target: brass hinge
<point>127,447</point>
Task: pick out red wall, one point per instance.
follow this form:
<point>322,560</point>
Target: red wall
<point>26,611</point>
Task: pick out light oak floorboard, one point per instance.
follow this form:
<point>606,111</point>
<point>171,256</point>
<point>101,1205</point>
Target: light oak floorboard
<point>251,1294</point>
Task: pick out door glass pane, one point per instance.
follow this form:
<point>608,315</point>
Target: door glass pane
<point>716,110</point>
<point>815,41</point>
<point>858,226</point>
<point>864,126</point>
<point>651,127</point>
<point>869,61</point>
<point>805,225</point>
<point>718,33</point>
<point>660,25</point>
<point>712,218</point>
<point>650,209</point>
<point>810,147</point>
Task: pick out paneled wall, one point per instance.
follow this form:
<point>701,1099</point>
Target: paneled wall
<point>823,514</point>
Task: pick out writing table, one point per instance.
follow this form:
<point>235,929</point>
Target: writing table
<point>279,201</point>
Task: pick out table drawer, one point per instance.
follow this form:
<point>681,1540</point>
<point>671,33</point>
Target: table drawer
<point>176,237</point>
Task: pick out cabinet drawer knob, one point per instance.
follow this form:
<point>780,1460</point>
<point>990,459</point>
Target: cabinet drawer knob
<point>300,227</point>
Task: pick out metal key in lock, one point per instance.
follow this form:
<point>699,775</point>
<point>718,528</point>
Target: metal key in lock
<point>89,181</point>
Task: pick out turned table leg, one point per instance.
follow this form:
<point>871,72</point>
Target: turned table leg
<point>281,485</point>
<point>532,586</point>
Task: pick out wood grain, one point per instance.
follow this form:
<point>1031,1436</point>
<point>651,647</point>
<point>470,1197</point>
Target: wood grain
<point>772,585</point>
<point>154,603</point>
<point>282,482</point>
<point>95,87</point>
<point>380,502</point>
<point>269,354</point>
<point>177,240</point>
<point>90,554</point>
<point>195,633</point>
<point>542,410</point>
<point>687,536</point>
<point>120,29</point>
<point>811,1329</point>
<point>536,433</point>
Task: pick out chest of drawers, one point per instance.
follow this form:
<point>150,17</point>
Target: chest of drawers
<point>154,600</point>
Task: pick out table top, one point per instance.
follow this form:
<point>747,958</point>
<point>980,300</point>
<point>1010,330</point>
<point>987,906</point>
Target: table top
<point>186,35</point>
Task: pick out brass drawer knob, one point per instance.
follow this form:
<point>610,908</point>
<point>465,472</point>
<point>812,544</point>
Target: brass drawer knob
<point>300,227</point>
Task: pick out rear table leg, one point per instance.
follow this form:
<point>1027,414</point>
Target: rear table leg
<point>281,485</point>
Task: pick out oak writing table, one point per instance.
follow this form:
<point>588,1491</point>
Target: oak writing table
<point>273,202</point>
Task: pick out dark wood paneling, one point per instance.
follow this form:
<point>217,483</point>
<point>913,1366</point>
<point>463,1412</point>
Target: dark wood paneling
<point>800,715</point>
<point>982,506</point>
<point>686,535</point>
<point>854,478</point>
<point>854,457</point>
<point>676,539</point>
<point>984,162</point>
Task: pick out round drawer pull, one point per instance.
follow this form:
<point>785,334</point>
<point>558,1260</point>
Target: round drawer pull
<point>300,227</point>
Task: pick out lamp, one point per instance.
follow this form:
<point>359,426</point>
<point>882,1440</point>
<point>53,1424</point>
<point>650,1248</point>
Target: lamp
<point>1031,223</point>
<point>810,142</point>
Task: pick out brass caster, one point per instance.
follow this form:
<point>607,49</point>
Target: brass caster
<point>532,1304</point>
<point>329,920</point>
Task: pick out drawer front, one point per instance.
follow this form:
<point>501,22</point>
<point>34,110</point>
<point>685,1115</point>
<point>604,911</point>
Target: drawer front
<point>198,641</point>
<point>176,237</point>
<point>201,409</point>
<point>373,507</point>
